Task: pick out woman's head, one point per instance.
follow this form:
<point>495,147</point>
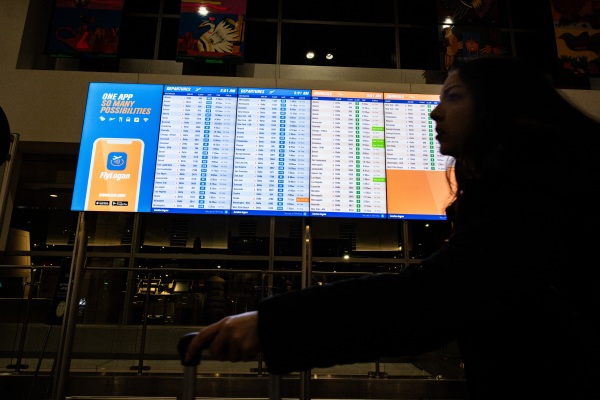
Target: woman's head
<point>506,124</point>
<point>501,92</point>
<point>498,95</point>
<point>454,116</point>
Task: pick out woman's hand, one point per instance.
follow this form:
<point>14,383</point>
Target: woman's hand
<point>234,338</point>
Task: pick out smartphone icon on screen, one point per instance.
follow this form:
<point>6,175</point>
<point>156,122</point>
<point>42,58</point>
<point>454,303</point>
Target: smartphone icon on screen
<point>115,175</point>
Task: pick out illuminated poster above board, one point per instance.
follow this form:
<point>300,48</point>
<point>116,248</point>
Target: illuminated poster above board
<point>259,151</point>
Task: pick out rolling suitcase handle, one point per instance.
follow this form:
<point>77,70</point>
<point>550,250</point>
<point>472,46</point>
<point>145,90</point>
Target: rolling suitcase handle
<point>190,371</point>
<point>190,368</point>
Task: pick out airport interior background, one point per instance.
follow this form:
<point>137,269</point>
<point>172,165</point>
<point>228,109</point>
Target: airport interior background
<point>92,304</point>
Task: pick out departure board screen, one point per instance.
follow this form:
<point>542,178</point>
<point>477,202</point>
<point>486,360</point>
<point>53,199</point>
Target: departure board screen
<point>272,152</point>
<point>195,150</point>
<point>347,155</point>
<point>260,151</point>
<point>417,186</point>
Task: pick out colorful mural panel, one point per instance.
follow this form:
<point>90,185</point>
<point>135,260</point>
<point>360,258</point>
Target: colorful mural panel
<point>465,30</point>
<point>577,32</point>
<point>85,28</point>
<point>212,31</point>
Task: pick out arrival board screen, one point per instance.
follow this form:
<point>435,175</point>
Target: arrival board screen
<point>259,151</point>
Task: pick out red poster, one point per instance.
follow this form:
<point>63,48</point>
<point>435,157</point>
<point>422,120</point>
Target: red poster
<point>577,32</point>
<point>468,11</point>
<point>85,28</point>
<point>461,42</point>
<point>464,30</point>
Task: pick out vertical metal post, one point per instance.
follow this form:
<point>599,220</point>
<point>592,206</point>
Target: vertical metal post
<point>31,283</point>
<point>306,282</point>
<point>306,257</point>
<point>377,373</point>
<point>131,285</point>
<point>140,367</point>
<point>274,379</point>
<point>406,241</point>
<point>259,368</point>
<point>271,255</point>
<point>274,387</point>
<point>63,360</point>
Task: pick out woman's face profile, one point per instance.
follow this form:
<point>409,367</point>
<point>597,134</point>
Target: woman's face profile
<point>454,115</point>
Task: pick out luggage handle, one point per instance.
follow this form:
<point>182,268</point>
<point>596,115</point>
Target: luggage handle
<point>190,371</point>
<point>190,367</point>
<point>182,346</point>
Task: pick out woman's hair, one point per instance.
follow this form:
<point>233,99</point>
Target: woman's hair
<point>5,137</point>
<point>508,92</point>
<point>519,118</point>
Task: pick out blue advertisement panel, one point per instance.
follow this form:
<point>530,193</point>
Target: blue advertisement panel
<point>117,153</point>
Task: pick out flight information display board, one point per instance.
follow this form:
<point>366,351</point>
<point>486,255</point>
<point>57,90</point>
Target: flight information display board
<point>260,151</point>
<point>272,152</point>
<point>195,150</point>
<point>417,183</point>
<point>347,155</point>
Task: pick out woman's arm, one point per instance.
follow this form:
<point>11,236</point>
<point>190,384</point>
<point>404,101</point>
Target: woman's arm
<point>362,319</point>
